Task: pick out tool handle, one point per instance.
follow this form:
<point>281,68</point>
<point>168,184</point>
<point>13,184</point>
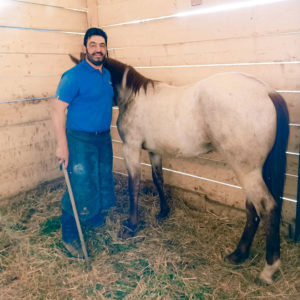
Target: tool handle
<point>75,214</point>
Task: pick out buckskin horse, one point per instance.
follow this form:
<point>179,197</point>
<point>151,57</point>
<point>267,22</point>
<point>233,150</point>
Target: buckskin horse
<point>235,114</point>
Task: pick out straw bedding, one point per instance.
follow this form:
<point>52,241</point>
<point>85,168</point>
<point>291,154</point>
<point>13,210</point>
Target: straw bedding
<point>181,258</point>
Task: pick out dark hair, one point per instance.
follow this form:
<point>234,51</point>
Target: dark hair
<point>94,31</point>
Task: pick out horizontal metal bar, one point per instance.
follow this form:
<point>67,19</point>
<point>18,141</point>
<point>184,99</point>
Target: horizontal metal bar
<point>221,65</point>
<point>29,99</point>
<point>56,6</point>
<point>204,179</point>
<point>41,29</point>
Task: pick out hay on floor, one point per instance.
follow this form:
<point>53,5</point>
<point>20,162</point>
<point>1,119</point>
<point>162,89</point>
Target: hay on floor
<point>181,258</point>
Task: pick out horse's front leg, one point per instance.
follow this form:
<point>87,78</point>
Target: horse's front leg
<point>132,159</point>
<point>158,179</point>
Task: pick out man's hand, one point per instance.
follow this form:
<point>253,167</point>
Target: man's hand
<point>62,154</point>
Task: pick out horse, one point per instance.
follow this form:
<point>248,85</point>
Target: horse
<point>235,114</point>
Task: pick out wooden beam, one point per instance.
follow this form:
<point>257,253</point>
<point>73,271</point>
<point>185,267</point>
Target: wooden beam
<point>92,15</point>
<point>28,15</point>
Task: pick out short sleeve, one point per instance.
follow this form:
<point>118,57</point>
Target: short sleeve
<point>67,88</point>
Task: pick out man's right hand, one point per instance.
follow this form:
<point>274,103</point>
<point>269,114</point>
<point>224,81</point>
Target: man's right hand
<point>62,154</point>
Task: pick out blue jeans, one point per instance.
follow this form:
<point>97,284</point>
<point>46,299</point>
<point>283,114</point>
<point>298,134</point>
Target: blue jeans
<point>69,227</point>
<point>91,178</point>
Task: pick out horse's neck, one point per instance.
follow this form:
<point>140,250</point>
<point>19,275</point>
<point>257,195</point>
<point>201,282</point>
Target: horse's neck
<point>125,96</point>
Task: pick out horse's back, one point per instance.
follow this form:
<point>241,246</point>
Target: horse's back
<point>240,116</point>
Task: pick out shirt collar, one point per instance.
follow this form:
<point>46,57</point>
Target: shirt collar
<point>90,68</point>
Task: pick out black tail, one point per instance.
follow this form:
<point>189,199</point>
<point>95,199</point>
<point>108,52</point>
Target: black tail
<point>275,164</point>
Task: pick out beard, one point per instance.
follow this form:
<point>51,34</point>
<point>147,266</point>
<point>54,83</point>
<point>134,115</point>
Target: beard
<point>97,61</point>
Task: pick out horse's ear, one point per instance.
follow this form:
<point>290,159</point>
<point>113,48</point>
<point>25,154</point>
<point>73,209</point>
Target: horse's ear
<point>76,60</point>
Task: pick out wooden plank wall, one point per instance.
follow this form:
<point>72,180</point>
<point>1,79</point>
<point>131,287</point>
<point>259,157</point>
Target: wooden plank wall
<point>262,40</point>
<point>36,38</point>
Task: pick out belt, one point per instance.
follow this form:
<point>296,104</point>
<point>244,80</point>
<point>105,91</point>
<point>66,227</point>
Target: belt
<point>88,132</point>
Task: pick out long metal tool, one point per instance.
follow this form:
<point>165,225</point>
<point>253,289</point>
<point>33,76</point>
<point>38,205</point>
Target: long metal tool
<point>76,217</point>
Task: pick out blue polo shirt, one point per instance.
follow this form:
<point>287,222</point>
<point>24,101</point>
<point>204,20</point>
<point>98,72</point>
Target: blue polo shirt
<point>89,94</point>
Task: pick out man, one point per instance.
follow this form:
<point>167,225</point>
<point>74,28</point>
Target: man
<point>81,115</point>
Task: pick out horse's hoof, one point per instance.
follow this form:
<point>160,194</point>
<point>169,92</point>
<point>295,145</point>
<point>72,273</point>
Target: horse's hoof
<point>265,279</point>
<point>128,230</point>
<point>237,257</point>
<point>268,271</point>
<point>163,214</point>
<point>126,233</point>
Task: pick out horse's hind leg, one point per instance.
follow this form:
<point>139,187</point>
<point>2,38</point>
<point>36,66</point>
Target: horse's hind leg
<point>269,212</point>
<point>272,228</point>
<point>242,250</point>
<point>157,175</point>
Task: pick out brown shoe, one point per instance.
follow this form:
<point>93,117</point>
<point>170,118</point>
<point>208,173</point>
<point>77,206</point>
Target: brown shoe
<point>74,249</point>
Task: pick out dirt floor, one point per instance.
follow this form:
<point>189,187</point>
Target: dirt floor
<point>181,258</point>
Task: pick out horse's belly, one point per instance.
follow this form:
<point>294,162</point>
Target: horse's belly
<point>191,151</point>
<point>178,147</point>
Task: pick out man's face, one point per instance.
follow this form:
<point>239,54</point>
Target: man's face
<point>96,50</point>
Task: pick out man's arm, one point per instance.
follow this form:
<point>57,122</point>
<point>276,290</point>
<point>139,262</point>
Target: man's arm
<point>58,113</point>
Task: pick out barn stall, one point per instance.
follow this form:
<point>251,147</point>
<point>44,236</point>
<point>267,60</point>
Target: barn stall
<point>178,42</point>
